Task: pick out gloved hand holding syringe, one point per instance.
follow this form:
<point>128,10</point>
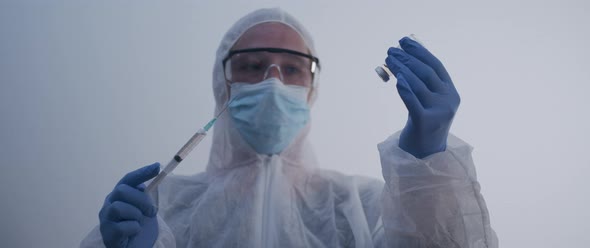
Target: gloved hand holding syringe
<point>183,152</point>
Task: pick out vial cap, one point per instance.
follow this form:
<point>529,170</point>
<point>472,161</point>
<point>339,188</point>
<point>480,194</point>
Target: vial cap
<point>382,73</point>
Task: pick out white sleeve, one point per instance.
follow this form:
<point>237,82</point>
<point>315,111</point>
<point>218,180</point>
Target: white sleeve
<point>434,201</point>
<point>165,237</point>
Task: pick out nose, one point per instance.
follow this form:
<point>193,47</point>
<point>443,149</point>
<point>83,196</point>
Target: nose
<point>273,70</point>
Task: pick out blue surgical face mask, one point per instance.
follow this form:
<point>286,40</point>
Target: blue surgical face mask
<point>269,114</point>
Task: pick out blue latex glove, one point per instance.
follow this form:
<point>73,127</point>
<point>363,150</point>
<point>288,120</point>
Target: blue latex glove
<point>128,217</point>
<point>429,95</point>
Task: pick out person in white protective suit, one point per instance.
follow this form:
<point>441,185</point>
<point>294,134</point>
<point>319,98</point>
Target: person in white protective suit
<point>263,187</point>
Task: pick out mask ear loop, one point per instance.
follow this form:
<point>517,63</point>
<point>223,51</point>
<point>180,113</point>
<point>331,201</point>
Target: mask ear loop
<point>228,99</point>
<point>227,70</point>
<point>268,70</point>
<point>314,85</point>
<point>228,92</point>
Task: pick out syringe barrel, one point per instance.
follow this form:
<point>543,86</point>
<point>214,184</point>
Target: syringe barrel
<point>154,183</point>
<point>180,155</point>
<point>167,170</point>
<point>190,145</point>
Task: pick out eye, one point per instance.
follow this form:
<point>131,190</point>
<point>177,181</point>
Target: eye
<point>293,69</point>
<point>250,66</point>
<point>289,69</point>
<point>247,63</point>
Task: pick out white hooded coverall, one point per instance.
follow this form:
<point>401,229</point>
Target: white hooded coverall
<point>244,199</point>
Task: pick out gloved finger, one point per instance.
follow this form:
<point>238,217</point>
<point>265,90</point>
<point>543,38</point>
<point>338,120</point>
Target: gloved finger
<point>423,71</point>
<point>140,175</point>
<point>116,234</point>
<point>105,204</point>
<point>410,100</point>
<point>122,211</point>
<point>416,85</point>
<point>135,197</point>
<point>418,51</point>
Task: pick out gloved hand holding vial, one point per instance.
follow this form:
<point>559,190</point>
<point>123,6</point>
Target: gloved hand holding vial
<point>428,93</point>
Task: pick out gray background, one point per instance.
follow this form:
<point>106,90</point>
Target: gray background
<point>93,89</point>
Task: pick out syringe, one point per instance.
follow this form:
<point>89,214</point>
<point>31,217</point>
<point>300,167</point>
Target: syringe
<point>183,152</point>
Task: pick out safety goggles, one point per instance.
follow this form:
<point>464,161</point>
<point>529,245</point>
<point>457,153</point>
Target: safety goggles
<point>256,64</point>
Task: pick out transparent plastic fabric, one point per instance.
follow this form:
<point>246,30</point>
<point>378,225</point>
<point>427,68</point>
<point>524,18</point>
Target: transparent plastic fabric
<point>431,202</point>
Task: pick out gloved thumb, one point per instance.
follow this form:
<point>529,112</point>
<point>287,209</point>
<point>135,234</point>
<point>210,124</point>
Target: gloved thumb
<point>140,175</point>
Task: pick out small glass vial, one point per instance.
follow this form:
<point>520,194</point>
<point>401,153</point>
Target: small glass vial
<point>383,72</point>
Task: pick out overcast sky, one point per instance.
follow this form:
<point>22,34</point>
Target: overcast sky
<point>90,90</point>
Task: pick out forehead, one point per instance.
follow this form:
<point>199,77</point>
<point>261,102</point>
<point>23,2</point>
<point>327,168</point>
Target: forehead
<point>271,34</point>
